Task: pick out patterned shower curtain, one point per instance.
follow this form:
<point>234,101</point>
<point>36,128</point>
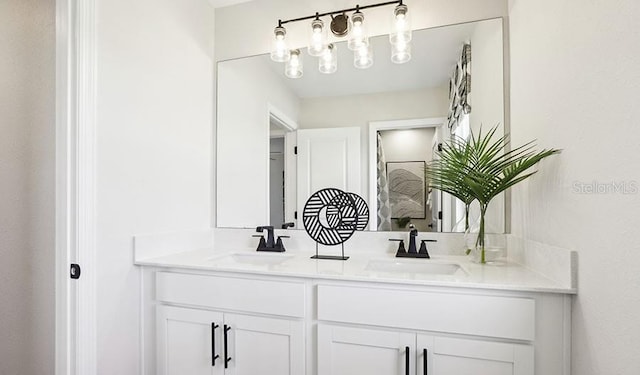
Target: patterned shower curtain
<point>459,89</point>
<point>384,208</point>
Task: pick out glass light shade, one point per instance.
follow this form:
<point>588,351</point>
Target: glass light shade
<point>401,25</point>
<point>400,53</point>
<point>293,67</point>
<point>328,62</point>
<point>358,35</point>
<point>279,50</point>
<point>363,57</point>
<point>317,38</point>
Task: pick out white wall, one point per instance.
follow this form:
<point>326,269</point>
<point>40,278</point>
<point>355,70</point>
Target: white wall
<point>487,102</point>
<point>243,139</point>
<point>359,110</point>
<point>487,92</point>
<point>27,154</point>
<point>575,84</point>
<point>154,138</point>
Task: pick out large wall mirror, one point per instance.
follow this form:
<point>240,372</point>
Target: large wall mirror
<point>281,139</point>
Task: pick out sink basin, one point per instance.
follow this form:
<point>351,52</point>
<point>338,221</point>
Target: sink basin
<point>414,266</point>
<point>256,259</point>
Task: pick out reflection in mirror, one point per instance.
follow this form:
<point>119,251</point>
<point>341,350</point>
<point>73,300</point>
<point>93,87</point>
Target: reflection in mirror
<point>280,139</point>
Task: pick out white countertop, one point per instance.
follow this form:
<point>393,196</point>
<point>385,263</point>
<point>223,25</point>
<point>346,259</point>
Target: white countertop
<point>504,276</point>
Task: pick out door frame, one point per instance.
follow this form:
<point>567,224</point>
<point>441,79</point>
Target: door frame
<point>75,197</point>
<point>289,127</point>
<point>374,128</point>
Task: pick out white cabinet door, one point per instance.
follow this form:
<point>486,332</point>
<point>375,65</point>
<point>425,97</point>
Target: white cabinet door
<point>328,158</point>
<point>452,356</point>
<point>184,341</point>
<point>349,351</point>
<point>265,346</point>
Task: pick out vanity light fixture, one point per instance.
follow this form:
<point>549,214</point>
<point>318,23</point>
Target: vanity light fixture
<point>342,25</point>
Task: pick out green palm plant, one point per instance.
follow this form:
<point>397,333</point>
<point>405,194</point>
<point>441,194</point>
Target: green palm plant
<point>486,167</point>
<point>448,172</point>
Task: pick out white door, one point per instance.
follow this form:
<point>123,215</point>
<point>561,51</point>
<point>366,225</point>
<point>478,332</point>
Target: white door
<point>348,351</point>
<point>451,356</point>
<point>265,346</point>
<point>328,158</point>
<point>188,343</point>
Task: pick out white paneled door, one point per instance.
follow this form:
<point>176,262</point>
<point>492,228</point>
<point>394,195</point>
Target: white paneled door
<point>348,351</point>
<point>188,341</point>
<point>203,342</point>
<point>328,158</point>
<point>454,356</point>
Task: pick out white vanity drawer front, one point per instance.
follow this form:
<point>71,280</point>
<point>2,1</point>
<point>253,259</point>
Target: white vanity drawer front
<point>230,293</point>
<point>482,315</point>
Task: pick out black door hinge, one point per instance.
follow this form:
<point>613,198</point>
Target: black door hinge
<point>440,215</point>
<point>75,271</point>
<point>295,215</point>
<point>295,150</point>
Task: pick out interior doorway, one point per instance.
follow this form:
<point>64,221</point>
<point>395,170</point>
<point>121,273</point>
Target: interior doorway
<point>281,164</point>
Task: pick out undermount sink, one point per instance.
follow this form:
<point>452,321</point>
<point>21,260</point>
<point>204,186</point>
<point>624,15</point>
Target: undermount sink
<point>257,259</point>
<point>413,266</point>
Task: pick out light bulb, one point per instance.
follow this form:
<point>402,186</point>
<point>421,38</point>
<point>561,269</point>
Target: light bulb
<point>328,62</point>
<point>400,52</point>
<point>293,68</point>
<point>357,35</point>
<point>318,38</point>
<point>279,50</point>
<point>401,25</point>
<point>363,57</point>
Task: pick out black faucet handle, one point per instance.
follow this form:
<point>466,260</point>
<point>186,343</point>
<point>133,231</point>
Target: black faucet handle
<point>423,248</point>
<point>401,249</point>
<point>279,246</point>
<point>262,244</point>
<point>288,225</point>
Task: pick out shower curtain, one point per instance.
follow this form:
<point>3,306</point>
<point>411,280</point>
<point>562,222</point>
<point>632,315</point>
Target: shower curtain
<point>384,208</point>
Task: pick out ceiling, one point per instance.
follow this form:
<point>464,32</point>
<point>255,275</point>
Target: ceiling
<point>434,54</point>
<point>225,3</point>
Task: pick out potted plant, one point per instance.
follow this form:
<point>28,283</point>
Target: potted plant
<point>485,167</point>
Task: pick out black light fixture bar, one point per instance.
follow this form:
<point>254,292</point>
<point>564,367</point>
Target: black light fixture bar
<point>357,7</point>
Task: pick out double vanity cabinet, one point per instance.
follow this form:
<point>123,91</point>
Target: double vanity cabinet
<point>330,320</point>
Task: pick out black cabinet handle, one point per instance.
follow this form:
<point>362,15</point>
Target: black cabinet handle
<point>213,344</point>
<point>226,356</point>
<point>424,362</point>
<point>406,360</point>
